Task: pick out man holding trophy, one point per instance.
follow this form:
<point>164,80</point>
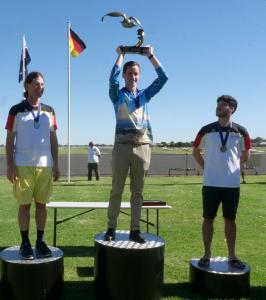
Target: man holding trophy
<point>133,136</point>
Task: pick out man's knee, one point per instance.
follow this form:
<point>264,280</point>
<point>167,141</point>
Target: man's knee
<point>40,206</point>
<point>24,207</point>
<point>208,221</point>
<point>230,222</point>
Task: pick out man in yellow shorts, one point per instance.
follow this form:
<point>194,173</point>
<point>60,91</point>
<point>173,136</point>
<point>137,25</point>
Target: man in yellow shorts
<point>32,160</point>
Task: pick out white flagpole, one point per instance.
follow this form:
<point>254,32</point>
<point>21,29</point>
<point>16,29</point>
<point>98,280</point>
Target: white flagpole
<point>68,137</point>
<point>23,57</point>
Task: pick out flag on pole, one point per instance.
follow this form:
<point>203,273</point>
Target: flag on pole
<point>24,61</point>
<point>76,45</point>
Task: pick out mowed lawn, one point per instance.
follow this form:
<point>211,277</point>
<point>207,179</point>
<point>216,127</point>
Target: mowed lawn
<point>179,226</point>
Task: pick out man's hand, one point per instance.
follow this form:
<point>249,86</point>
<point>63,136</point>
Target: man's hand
<point>119,50</point>
<point>12,173</point>
<point>198,156</point>
<point>120,58</point>
<point>56,173</point>
<point>149,51</point>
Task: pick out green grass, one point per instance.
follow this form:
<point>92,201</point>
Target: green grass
<point>179,226</point>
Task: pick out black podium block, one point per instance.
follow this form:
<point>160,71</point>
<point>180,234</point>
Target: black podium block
<point>38,279</point>
<point>220,279</point>
<point>126,270</point>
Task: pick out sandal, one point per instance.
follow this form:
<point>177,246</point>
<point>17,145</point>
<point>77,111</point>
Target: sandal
<point>236,263</point>
<point>204,262</point>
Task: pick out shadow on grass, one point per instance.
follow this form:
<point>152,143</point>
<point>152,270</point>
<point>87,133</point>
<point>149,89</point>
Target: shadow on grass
<point>77,251</point>
<point>79,290</point>
<point>183,290</point>
<point>257,292</point>
<point>85,271</point>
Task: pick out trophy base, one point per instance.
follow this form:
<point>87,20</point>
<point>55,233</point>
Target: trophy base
<point>134,49</point>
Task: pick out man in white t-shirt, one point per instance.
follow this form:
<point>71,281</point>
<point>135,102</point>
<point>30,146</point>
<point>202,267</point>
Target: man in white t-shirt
<point>93,161</point>
<point>32,160</point>
<point>220,148</point>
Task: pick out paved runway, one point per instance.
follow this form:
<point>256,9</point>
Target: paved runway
<point>160,165</point>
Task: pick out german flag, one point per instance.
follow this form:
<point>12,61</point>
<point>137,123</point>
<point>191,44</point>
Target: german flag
<point>76,45</point>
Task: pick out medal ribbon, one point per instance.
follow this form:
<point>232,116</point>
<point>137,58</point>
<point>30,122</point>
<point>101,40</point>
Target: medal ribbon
<point>224,138</point>
<point>37,117</point>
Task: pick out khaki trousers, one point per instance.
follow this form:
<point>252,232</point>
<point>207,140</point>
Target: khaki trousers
<point>136,159</point>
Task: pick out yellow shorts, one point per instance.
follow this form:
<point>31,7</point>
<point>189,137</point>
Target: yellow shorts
<point>33,183</point>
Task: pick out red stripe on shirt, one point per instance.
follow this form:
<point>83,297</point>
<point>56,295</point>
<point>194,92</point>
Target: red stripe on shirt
<point>10,122</point>
<point>247,142</point>
<point>55,123</point>
<point>197,141</point>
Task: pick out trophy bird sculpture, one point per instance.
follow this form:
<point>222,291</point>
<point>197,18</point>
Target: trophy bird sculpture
<point>129,22</point>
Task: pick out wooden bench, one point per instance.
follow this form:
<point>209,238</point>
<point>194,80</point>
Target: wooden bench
<point>90,206</point>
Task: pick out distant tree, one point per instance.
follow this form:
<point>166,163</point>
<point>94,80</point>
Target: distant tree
<point>163,144</point>
<point>257,141</point>
<point>175,144</point>
<point>172,144</point>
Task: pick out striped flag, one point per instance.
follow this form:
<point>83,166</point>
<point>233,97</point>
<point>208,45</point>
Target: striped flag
<point>24,61</point>
<point>76,45</point>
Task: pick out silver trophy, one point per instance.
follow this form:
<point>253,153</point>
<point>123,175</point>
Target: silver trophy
<point>130,22</point>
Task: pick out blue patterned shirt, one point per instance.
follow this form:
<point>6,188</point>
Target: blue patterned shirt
<point>132,117</point>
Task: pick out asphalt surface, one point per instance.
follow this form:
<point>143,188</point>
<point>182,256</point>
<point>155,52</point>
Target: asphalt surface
<point>161,164</point>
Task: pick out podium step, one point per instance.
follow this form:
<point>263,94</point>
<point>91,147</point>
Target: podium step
<point>38,279</point>
<point>220,279</point>
<point>125,270</point>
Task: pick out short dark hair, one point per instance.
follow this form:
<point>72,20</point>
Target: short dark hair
<point>31,76</point>
<point>228,99</point>
<point>130,63</point>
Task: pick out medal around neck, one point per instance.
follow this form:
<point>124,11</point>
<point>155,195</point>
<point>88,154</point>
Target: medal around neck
<point>224,139</point>
<point>130,22</point>
<point>223,149</point>
<point>36,125</point>
<point>36,119</point>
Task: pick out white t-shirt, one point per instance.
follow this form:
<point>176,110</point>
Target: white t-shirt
<point>32,145</point>
<point>93,154</point>
<point>222,169</point>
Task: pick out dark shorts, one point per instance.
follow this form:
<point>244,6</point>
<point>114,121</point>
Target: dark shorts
<point>213,196</point>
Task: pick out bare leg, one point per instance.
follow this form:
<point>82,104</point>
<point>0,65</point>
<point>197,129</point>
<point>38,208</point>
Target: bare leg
<point>230,234</point>
<point>207,234</point>
<point>40,216</point>
<point>24,217</point>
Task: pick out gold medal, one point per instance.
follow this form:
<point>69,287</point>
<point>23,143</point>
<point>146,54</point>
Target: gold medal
<point>36,125</point>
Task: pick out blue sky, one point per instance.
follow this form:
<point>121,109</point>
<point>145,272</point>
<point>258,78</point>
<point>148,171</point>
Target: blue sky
<point>207,47</point>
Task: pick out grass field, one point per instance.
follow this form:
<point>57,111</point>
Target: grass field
<point>179,226</point>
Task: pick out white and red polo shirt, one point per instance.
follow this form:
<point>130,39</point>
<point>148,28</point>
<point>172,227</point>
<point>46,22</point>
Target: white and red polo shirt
<point>222,169</point>
<point>32,145</point>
